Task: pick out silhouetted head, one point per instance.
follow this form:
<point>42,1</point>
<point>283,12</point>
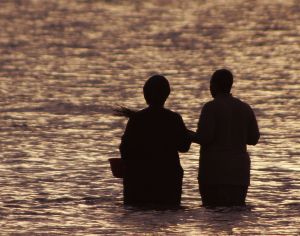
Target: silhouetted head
<point>221,82</point>
<point>156,90</point>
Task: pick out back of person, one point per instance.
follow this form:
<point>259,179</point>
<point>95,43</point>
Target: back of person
<point>157,135</point>
<point>226,125</point>
<point>226,155</point>
<point>233,120</point>
<point>149,148</point>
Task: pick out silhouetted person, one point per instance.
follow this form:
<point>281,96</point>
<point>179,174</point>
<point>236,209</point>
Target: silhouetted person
<point>225,127</point>
<point>149,148</point>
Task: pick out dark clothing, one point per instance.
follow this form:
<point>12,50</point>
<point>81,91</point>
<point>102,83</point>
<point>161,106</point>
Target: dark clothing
<point>225,127</point>
<point>143,190</point>
<point>149,147</point>
<point>223,195</point>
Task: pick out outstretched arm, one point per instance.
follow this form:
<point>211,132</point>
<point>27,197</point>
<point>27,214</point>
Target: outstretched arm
<point>123,111</point>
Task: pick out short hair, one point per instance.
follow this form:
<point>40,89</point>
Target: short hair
<point>223,79</point>
<point>156,90</point>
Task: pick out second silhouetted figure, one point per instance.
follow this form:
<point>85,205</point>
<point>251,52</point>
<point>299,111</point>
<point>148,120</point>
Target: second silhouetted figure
<point>225,127</point>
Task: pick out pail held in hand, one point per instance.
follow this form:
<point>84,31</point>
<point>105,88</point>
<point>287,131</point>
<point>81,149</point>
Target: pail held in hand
<point>117,167</point>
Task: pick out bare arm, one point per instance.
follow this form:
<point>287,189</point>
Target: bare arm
<point>123,111</point>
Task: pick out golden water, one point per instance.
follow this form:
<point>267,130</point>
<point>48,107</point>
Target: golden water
<point>64,63</point>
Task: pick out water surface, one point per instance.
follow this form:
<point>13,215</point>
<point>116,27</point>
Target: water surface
<point>63,64</point>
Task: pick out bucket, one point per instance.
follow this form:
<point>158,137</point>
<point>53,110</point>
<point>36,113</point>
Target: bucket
<point>117,167</point>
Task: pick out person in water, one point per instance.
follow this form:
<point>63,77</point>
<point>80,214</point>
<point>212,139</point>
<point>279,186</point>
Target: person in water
<point>226,125</point>
<point>149,147</point>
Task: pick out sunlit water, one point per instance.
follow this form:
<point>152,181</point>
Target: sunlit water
<point>64,63</point>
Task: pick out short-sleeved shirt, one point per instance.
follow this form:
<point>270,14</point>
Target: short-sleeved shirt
<point>152,139</point>
<point>226,125</point>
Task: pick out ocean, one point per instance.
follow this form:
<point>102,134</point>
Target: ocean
<point>65,64</point>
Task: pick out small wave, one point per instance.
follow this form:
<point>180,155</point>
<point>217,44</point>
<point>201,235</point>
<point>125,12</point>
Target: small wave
<point>87,200</point>
<point>55,200</point>
<point>61,108</point>
<point>96,200</point>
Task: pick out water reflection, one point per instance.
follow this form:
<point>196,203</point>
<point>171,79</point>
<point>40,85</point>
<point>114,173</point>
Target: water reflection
<point>64,63</point>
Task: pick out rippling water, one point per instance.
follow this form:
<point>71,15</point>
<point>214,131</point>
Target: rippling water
<point>64,63</point>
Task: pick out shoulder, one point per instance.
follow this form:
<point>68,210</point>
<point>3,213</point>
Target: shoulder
<point>141,112</point>
<point>209,106</point>
<point>242,103</point>
<point>137,116</point>
<point>211,103</point>
<point>172,114</point>
<point>244,107</point>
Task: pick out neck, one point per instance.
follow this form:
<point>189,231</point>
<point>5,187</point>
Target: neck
<point>156,106</point>
<point>222,95</point>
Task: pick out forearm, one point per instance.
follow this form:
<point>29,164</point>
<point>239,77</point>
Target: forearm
<point>194,137</point>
